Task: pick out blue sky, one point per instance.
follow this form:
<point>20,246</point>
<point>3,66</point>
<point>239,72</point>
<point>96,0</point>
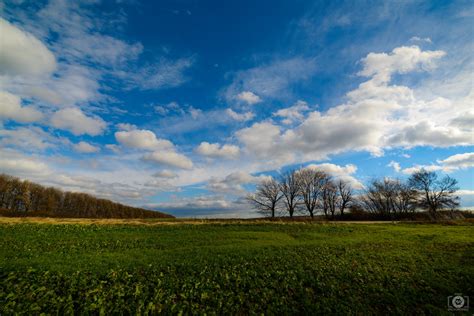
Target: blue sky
<point>184,106</point>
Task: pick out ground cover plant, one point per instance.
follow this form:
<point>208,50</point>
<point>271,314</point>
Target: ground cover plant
<point>230,268</point>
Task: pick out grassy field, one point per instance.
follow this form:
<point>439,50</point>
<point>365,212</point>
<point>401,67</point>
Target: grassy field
<point>232,268</point>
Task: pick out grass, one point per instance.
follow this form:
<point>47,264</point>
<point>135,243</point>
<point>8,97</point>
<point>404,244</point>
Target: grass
<point>228,267</point>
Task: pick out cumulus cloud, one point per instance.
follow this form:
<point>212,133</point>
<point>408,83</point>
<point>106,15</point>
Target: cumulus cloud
<point>14,163</point>
<point>395,165</point>
<point>458,161</point>
<point>85,148</point>
<point>450,164</point>
<point>377,115</point>
<point>404,59</point>
<point>169,158</point>
<point>344,173</point>
<point>249,97</point>
<point>242,117</point>
<point>161,151</point>
<point>142,139</point>
<point>165,174</point>
<point>294,113</point>
<point>74,120</point>
<point>30,138</point>
<point>232,183</point>
<point>11,109</point>
<point>23,54</point>
<point>218,151</point>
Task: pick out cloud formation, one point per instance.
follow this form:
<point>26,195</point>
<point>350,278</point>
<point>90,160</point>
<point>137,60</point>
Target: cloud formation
<point>249,97</point>
<point>74,120</point>
<point>23,54</point>
<point>218,151</point>
<point>11,109</point>
<point>85,148</point>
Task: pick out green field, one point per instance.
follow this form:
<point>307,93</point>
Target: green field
<point>230,268</point>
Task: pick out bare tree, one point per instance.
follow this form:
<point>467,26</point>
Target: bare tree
<point>266,197</point>
<point>345,192</point>
<point>389,197</point>
<point>433,193</point>
<point>289,187</point>
<point>311,184</point>
<point>380,197</point>
<point>405,201</point>
<point>330,198</point>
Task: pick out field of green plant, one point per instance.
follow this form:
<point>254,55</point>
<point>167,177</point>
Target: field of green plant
<point>220,268</point>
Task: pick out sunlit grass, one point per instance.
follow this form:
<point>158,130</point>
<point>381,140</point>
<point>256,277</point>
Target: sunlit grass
<point>227,267</point>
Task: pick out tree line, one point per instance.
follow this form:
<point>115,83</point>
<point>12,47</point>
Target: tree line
<point>19,197</point>
<point>310,191</point>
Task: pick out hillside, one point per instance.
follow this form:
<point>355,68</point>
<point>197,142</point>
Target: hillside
<point>24,198</point>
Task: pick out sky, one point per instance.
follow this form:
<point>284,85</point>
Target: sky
<point>184,106</point>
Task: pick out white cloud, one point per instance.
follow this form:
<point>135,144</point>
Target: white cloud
<point>395,165</point>
<point>294,113</point>
<point>212,206</point>
<point>169,158</point>
<point>421,39</point>
<point>23,54</point>
<point>458,161</point>
<point>86,148</point>
<point>142,139</point>
<point>78,37</point>
<point>75,121</point>
<point>232,183</point>
<point>14,163</point>
<point>10,108</point>
<point>113,147</point>
<point>465,192</point>
<point>30,138</point>
<point>242,117</point>
<point>344,173</point>
<point>216,150</point>
<point>272,80</point>
<point>450,164</point>
<point>249,97</point>
<point>171,107</point>
<point>165,174</point>
<point>401,60</point>
<point>376,116</point>
<point>417,168</point>
<point>126,127</point>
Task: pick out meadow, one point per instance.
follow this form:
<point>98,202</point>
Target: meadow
<point>226,267</point>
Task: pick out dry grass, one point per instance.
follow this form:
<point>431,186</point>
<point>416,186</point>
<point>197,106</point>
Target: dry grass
<point>174,221</point>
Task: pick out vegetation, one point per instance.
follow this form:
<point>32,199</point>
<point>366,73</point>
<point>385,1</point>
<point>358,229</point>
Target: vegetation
<point>311,191</point>
<point>30,199</point>
<point>293,268</point>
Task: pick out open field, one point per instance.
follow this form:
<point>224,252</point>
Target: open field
<point>229,267</point>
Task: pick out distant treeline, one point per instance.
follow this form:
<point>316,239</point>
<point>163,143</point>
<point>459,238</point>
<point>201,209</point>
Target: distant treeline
<point>25,198</point>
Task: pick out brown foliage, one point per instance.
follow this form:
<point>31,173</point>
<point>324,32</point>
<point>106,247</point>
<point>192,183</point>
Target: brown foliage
<point>23,198</point>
